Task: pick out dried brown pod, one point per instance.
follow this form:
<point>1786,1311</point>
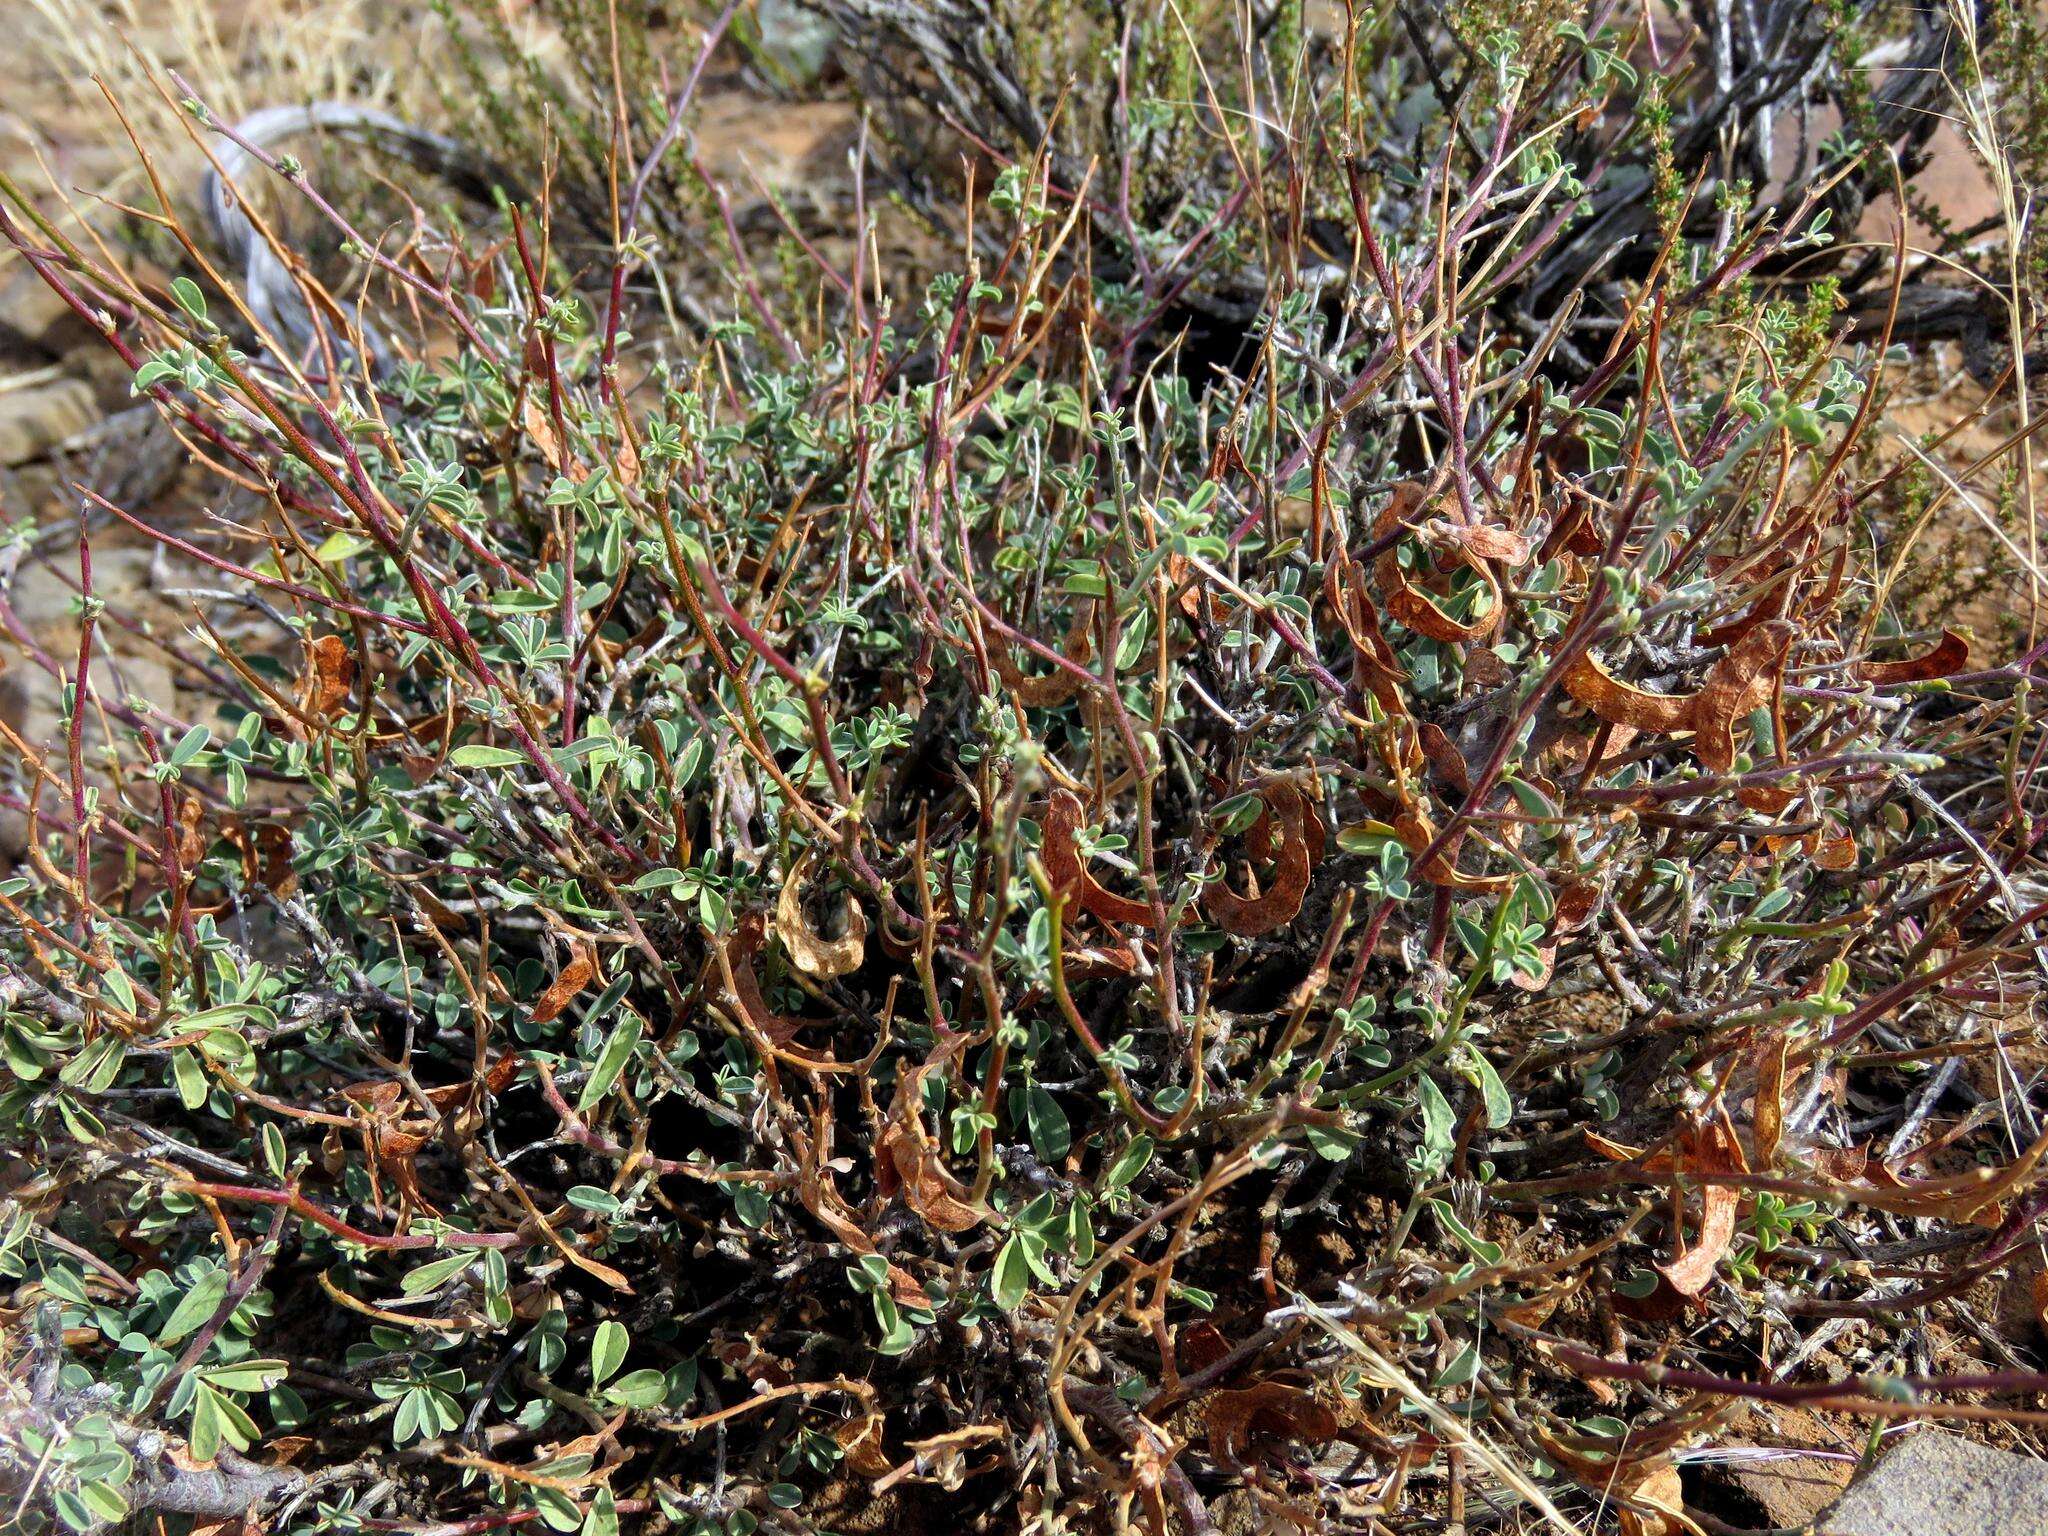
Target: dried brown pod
<point>1407,602</point>
<point>748,936</point>
<point>1417,832</point>
<point>1768,1119</point>
<point>1483,542</point>
<point>1267,1408</point>
<point>572,979</point>
<point>1263,911</point>
<point>333,676</point>
<point>860,1441</point>
<point>1713,1148</point>
<point>1654,1484</point>
<point>1619,704</point>
<point>815,956</point>
<point>1375,669</point>
<point>1200,1345</point>
<point>1949,656</point>
<point>1737,683</point>
<point>1445,758</point>
<point>266,852</point>
<point>1260,838</point>
<point>1069,876</point>
<point>1058,685</point>
<point>1576,901</point>
<point>907,1163</point>
<point>1836,854</point>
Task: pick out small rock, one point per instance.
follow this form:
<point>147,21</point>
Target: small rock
<point>1779,1494</point>
<point>33,316</point>
<point>1938,1484</point>
<point>795,150</point>
<point>101,367</point>
<point>32,701</point>
<point>797,38</point>
<point>40,416</point>
<point>13,836</point>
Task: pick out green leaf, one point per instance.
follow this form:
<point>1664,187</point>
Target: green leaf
<point>1129,1164</point>
<point>196,1307</point>
<point>475,756</point>
<point>607,1351</point>
<point>103,1500</point>
<point>557,1510</point>
<point>275,1156</point>
<point>639,1389</point>
<point>1011,1282</point>
<point>189,298</point>
<point>603,1519</point>
<point>436,1273</point>
<point>405,1422</point>
<point>340,545</point>
<point>1485,1252</point>
<point>71,1508</point>
<point>245,1375</point>
<point>1236,814</point>
<point>115,983</point>
<point>751,1204</point>
<point>1081,1231</point>
<point>1332,1143</point>
<point>659,879</point>
<point>236,1426</point>
<point>1499,1107</point>
<point>94,1069</point>
<point>611,1061</point>
<point>1462,1369</point>
<point>1051,1136</point>
<point>205,1437</point>
<point>1438,1125</point>
<point>190,1077</point>
<point>154,372</point>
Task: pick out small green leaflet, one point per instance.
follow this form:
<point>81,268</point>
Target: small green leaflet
<point>198,1305</point>
<point>190,1077</point>
<point>189,298</point>
<point>639,1389</point>
<point>94,1069</point>
<point>1012,1279</point>
<point>1480,1072</point>
<point>1129,1164</point>
<point>476,756</point>
<point>246,1375</point>
<point>434,1274</point>
<point>1051,1136</point>
<point>1480,1249</point>
<point>1437,1124</point>
<point>115,983</point>
<point>611,1061</point>
<point>1462,1369</point>
<point>603,1519</point>
<point>607,1351</point>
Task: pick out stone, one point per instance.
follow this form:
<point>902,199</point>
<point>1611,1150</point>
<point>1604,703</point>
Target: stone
<point>798,39</point>
<point>796,151</point>
<point>39,414</point>
<point>1938,1484</point>
<point>1784,1493</point>
<point>101,367</point>
<point>33,317</point>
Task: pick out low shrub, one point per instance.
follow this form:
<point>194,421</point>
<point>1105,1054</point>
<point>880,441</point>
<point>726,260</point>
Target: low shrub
<point>936,909</point>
